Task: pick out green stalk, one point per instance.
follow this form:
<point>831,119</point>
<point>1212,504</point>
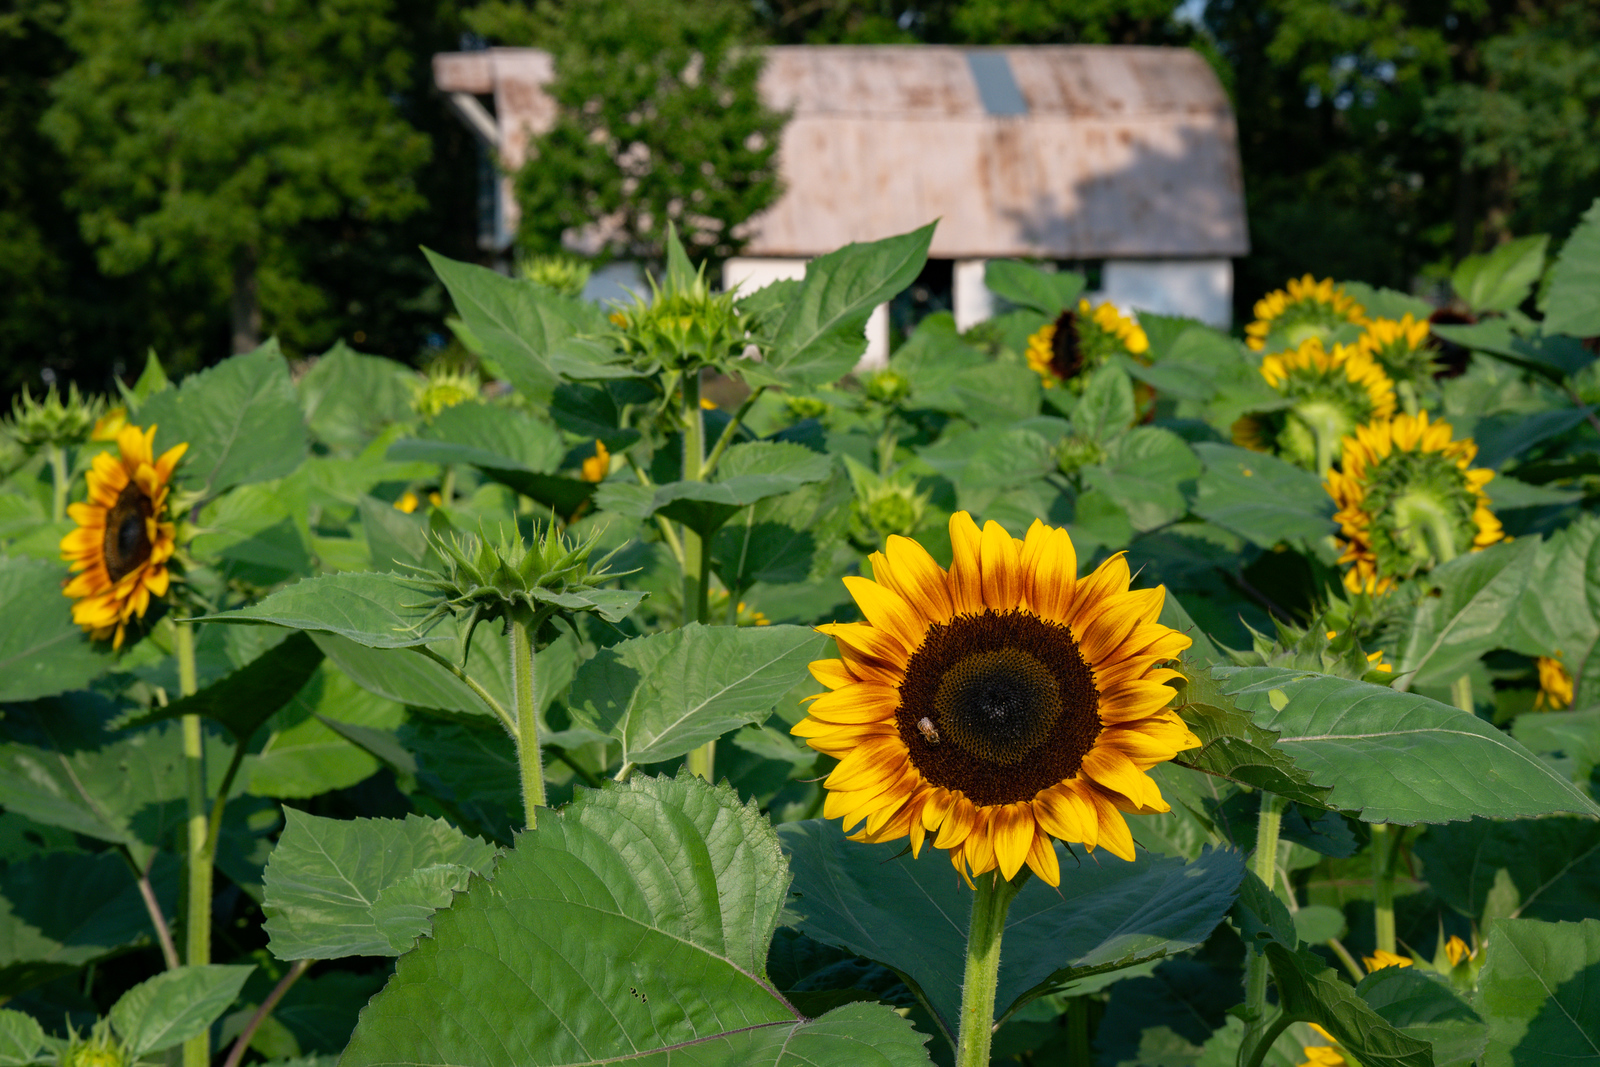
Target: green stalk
<point>197,948</point>
<point>1382,888</point>
<point>58,483</point>
<point>528,755</point>
<point>1265,864</point>
<point>1461,694</point>
<point>1078,1053</point>
<point>729,432</point>
<point>447,483</point>
<point>696,549</point>
<point>990,903</point>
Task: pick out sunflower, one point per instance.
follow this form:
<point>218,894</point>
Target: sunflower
<point>1555,685</point>
<point>1408,498</point>
<point>1331,393</point>
<point>1400,347</point>
<point>1381,959</point>
<point>1304,308</point>
<point>1323,1055</point>
<point>120,549</point>
<point>999,704</point>
<point>1081,341</point>
<point>597,466</point>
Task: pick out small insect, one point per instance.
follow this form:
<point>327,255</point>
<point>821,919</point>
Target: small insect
<point>929,731</point>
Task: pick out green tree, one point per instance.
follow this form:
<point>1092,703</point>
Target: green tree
<point>200,135</point>
<point>659,122</point>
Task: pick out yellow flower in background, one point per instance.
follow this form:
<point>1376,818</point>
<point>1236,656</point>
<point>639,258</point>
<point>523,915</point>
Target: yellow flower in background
<point>1400,347</point>
<point>1409,499</point>
<point>1333,392</point>
<point>1303,309</point>
<point>998,705</point>
<point>597,466</point>
<point>1322,1055</point>
<point>1376,659</point>
<point>1555,685</point>
<point>1381,959</point>
<point>707,404</point>
<point>119,551</point>
<point>1456,950</point>
<point>108,426</point>
<point>1080,341</point>
<point>407,503</point>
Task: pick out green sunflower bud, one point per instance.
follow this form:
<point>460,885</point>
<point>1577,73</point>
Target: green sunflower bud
<point>564,274</point>
<point>521,581</point>
<point>51,421</point>
<point>684,326</point>
<point>888,387</point>
<point>443,389</point>
<point>805,407</point>
<point>1076,452</point>
<point>99,1048</point>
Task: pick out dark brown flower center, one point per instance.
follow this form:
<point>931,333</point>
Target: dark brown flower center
<point>1066,351</point>
<point>127,541</point>
<point>1012,703</point>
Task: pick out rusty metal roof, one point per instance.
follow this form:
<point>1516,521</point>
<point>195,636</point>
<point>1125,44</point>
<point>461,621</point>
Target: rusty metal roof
<point>1062,152</point>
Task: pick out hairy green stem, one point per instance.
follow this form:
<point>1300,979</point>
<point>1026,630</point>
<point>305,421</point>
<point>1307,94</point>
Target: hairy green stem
<point>696,549</point>
<point>668,533</point>
<point>197,929</point>
<point>1386,842</point>
<point>242,1045</point>
<point>58,483</point>
<point>447,483</point>
<point>1349,961</point>
<point>730,431</point>
<point>1253,1055</point>
<point>528,755</point>
<point>1265,865</point>
<point>990,902</point>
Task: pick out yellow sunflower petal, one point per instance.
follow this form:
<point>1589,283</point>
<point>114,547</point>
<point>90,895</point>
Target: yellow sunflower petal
<point>1002,568</point>
<point>966,571</point>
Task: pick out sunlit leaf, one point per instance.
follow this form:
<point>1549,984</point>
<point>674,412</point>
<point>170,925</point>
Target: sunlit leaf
<point>167,1010</point>
<point>1538,992</point>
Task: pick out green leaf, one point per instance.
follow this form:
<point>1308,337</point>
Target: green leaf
<point>248,697</point>
<point>821,336</point>
<point>1425,1007</point>
<point>632,922</point>
<point>664,694</point>
<point>257,534</point>
<point>1551,866</point>
<point>22,1041</point>
<point>766,469</point>
<point>1467,609</point>
<point>42,651</point>
<point>1150,472</point>
<point>241,420</point>
<point>62,910</point>
<point>376,610</point>
<point>304,757</point>
<point>911,914</point>
<point>1562,617</point>
<point>1571,304</point>
<point>167,1010</point>
<point>328,883</point>
<point>1235,746</point>
<point>1398,757</point>
<point>1047,292</point>
<point>499,440</point>
<point>1387,303</point>
<point>1260,497</point>
<point>1310,991</point>
<point>523,327</point>
<point>1105,411</point>
<point>1262,917</point>
<point>408,678</point>
<point>1539,992</point>
<point>1575,735</point>
<point>1501,279</point>
<point>349,398</point>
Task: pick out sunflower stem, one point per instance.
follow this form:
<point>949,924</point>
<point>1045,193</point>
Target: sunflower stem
<point>1255,1055</point>
<point>1384,849</point>
<point>197,932</point>
<point>58,483</point>
<point>1078,1054</point>
<point>990,903</point>
<point>523,667</point>
<point>696,549</point>
<point>1265,865</point>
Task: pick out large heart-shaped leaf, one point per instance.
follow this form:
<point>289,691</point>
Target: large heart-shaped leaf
<point>1532,868</point>
<point>1261,498</point>
<point>250,696</point>
<point>494,438</point>
<point>1047,292</point>
<point>1469,607</point>
<point>376,610</point>
<point>1572,303</point>
<point>1423,1005</point>
<point>1398,757</point>
<point>1539,993</point>
<point>632,925</point>
<point>42,651</point>
<point>167,1010</point>
<point>664,694</point>
<point>362,887</point>
<point>912,914</point>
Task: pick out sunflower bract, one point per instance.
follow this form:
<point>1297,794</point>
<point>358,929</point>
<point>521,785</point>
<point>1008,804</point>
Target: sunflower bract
<point>120,550</point>
<point>997,705</point>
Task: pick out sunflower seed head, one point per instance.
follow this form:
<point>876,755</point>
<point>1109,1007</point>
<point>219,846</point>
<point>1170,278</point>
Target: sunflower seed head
<point>52,420</point>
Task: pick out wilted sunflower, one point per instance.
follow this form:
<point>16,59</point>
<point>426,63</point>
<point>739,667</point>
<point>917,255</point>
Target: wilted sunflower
<point>119,551</point>
<point>1555,685</point>
<point>1408,499</point>
<point>1081,341</point>
<point>1304,308</point>
<point>998,705</point>
<point>1332,394</point>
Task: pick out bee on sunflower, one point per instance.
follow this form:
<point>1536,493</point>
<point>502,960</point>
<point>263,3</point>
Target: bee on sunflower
<point>999,705</point>
<point>1330,394</point>
<point>124,541</point>
<point>1302,309</point>
<point>1409,499</point>
<point>1080,341</point>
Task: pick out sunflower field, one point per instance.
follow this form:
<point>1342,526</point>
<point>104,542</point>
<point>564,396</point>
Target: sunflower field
<point>656,686</point>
